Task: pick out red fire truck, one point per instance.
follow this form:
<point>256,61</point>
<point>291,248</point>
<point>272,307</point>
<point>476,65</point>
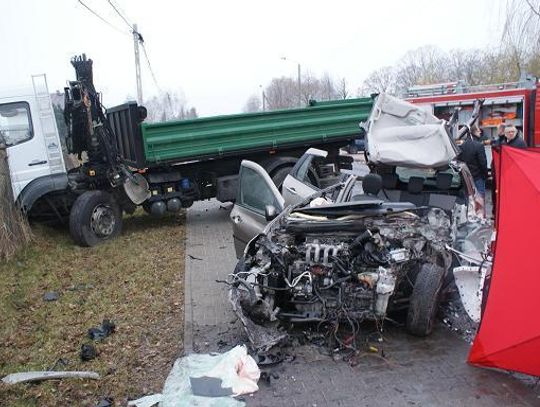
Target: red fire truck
<point>516,103</point>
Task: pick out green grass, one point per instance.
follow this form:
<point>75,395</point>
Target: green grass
<point>135,280</point>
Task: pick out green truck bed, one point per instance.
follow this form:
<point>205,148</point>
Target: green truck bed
<point>213,137</point>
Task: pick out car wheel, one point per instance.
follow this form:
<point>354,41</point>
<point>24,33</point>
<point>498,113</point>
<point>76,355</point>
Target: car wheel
<point>94,218</point>
<point>424,300</point>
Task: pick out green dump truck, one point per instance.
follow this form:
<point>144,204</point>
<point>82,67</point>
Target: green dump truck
<point>125,162</point>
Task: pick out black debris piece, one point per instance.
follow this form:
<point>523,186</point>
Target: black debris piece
<point>50,296</point>
<point>208,387</point>
<point>193,257</point>
<point>106,328</point>
<point>88,352</point>
<point>268,359</point>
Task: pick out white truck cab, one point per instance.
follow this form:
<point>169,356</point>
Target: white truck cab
<point>29,131</point>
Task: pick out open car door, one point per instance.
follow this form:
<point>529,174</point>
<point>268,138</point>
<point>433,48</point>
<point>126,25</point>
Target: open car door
<point>257,202</point>
<point>299,184</point>
<point>403,134</point>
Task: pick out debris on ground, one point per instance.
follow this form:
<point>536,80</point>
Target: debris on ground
<point>455,317</point>
<point>37,376</point>
<point>146,401</point>
<point>88,352</point>
<point>194,257</point>
<point>105,402</point>
<point>106,328</point>
<point>234,373</point>
<point>50,296</point>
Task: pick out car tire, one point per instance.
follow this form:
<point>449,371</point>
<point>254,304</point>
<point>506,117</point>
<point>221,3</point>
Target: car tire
<point>424,300</point>
<point>94,218</point>
<point>279,176</point>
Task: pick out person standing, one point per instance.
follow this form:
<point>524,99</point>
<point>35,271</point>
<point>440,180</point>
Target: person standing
<point>512,138</point>
<point>473,154</point>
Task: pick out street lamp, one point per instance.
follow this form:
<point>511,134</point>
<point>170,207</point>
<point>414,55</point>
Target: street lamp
<point>299,79</point>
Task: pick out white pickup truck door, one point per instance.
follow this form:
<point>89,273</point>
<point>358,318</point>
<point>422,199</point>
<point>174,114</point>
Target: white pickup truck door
<point>256,190</point>
<point>26,150</point>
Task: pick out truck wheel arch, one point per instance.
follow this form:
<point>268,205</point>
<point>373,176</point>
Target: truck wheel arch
<point>39,187</point>
<point>274,164</point>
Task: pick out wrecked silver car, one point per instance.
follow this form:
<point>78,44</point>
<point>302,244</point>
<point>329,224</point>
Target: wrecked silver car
<point>339,257</point>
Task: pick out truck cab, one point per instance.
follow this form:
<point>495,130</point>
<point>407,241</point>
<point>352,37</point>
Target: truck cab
<point>28,130</point>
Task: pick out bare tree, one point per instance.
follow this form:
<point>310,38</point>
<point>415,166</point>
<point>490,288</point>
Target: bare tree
<point>328,88</point>
<point>521,42</point>
<point>169,106</point>
<point>311,88</point>
<point>424,65</point>
<point>343,91</point>
<point>253,104</point>
<point>282,93</point>
<point>467,65</point>
<point>381,80</point>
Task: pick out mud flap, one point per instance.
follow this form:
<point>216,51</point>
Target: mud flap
<point>470,284</point>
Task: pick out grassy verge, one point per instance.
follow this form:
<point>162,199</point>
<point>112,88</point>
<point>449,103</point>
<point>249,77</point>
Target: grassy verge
<point>136,281</point>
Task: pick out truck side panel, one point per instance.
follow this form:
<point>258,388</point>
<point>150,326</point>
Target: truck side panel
<point>226,136</point>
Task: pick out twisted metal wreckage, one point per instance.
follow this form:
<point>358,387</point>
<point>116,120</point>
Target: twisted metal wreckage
<point>338,264</point>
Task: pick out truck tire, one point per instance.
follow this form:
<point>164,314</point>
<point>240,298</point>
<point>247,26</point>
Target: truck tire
<point>279,176</point>
<point>94,218</point>
<point>424,300</point>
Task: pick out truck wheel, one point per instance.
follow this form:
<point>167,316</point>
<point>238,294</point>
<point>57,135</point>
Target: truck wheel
<point>424,300</point>
<point>279,176</point>
<point>94,218</point>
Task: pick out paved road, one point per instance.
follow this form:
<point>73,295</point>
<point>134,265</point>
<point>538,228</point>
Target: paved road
<point>415,372</point>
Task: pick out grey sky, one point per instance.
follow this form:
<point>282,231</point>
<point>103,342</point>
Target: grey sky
<point>219,52</point>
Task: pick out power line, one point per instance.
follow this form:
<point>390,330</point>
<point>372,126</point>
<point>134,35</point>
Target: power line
<point>150,66</point>
<point>101,18</point>
<point>120,14</point>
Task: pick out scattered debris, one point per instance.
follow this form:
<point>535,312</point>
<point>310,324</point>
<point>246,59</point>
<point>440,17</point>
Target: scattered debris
<point>456,319</point>
<point>146,401</point>
<point>268,359</point>
<point>106,402</point>
<point>50,296</point>
<point>193,257</point>
<point>88,352</point>
<point>234,370</point>
<point>106,328</point>
<point>38,376</point>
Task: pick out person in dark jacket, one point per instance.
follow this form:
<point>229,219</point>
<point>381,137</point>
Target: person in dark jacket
<point>512,138</point>
<point>473,154</point>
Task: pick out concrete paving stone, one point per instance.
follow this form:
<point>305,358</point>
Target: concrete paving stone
<point>416,372</point>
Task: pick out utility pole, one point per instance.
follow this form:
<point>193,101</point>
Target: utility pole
<point>299,79</point>
<point>136,39</point>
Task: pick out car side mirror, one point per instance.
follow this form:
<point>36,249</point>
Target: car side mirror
<point>270,212</point>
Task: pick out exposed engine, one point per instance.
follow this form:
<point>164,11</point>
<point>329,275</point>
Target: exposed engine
<point>337,271</point>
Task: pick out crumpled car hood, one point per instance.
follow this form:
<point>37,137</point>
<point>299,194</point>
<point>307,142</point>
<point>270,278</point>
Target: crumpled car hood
<point>403,134</point>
